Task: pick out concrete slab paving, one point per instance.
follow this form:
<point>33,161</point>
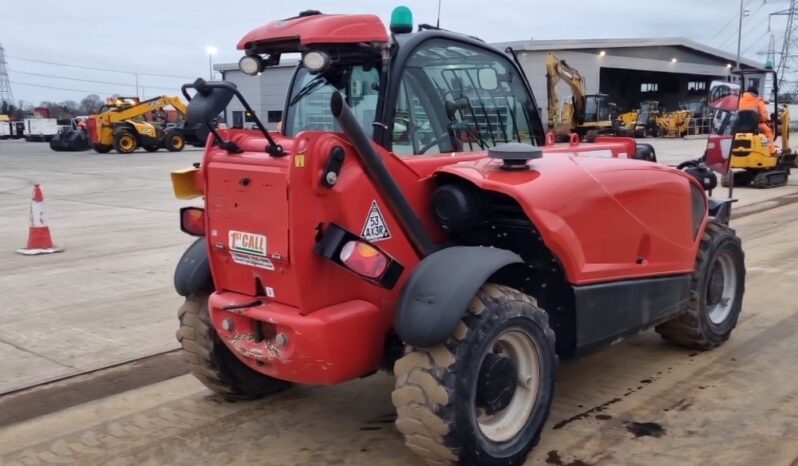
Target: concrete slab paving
<point>108,298</point>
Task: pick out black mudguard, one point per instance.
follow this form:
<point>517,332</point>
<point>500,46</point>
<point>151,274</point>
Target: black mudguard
<point>720,209</point>
<point>437,293</point>
<point>193,272</point>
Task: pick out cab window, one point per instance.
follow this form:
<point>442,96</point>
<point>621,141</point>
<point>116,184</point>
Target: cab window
<point>454,97</point>
<point>309,105</point>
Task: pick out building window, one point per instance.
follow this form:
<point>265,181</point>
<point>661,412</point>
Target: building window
<point>274,116</point>
<point>649,87</point>
<point>696,86</point>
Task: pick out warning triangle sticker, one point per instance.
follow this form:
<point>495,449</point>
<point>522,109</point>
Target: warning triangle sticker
<point>375,228</point>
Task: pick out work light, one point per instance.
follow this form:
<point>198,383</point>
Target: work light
<point>250,64</point>
<point>316,62</point>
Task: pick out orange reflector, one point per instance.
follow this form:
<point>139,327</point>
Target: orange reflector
<point>364,259</point>
<point>192,221</point>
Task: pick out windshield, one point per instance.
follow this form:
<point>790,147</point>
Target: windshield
<point>309,103</point>
<point>455,97</point>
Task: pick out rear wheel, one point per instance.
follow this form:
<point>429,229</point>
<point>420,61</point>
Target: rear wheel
<point>211,362</point>
<point>125,142</point>
<point>483,396</point>
<point>174,142</point>
<point>716,294</point>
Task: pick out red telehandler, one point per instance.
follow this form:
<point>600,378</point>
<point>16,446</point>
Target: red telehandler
<point>411,215</point>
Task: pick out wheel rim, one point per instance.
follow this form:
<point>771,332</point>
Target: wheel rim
<point>126,142</point>
<point>176,141</point>
<point>501,425</point>
<point>722,288</point>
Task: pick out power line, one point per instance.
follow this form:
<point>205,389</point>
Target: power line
<point>59,88</point>
<point>86,80</point>
<point>94,68</point>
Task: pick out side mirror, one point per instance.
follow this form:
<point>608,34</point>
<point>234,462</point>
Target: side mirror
<point>208,102</point>
<point>488,79</point>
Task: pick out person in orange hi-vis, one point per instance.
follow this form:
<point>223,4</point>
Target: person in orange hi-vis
<point>751,101</point>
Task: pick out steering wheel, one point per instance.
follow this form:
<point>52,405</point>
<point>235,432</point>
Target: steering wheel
<point>433,143</point>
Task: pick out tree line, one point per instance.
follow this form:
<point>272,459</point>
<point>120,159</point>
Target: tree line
<point>65,109</point>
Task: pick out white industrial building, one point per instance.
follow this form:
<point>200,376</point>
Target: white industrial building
<point>670,70</point>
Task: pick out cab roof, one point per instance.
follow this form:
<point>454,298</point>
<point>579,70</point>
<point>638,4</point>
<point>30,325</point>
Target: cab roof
<point>295,34</point>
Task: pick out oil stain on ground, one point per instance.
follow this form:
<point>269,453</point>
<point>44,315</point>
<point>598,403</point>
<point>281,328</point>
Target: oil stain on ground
<point>645,429</point>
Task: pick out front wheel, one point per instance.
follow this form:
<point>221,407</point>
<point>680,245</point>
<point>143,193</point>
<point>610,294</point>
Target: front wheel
<point>211,362</point>
<point>483,396</point>
<point>125,142</point>
<point>174,142</point>
<point>716,292</point>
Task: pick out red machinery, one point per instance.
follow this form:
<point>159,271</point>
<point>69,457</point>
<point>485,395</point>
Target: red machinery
<point>412,216</point>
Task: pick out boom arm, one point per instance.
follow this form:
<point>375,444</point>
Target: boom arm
<point>557,69</point>
<point>141,108</point>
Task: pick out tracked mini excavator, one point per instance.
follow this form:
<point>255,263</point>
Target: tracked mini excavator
<point>752,161</point>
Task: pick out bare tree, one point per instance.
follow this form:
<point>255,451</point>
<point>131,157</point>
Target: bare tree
<point>90,104</point>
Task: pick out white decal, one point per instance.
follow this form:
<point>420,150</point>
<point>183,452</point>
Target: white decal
<point>375,228</point>
<point>603,153</point>
<point>622,155</point>
<point>249,243</point>
<point>269,292</point>
<point>252,261</point>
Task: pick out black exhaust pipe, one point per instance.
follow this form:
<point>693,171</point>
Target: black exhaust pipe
<point>379,173</point>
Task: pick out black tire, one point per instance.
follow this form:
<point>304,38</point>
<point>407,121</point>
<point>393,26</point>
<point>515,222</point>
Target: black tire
<point>125,142</point>
<point>174,141</point>
<point>437,388</point>
<point>211,362</point>
<point>102,148</point>
<point>720,256</point>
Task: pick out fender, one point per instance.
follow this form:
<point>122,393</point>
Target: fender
<point>193,271</point>
<point>435,296</point>
<point>720,208</point>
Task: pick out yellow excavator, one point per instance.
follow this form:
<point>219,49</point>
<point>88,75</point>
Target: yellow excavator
<point>584,113</point>
<point>674,124</point>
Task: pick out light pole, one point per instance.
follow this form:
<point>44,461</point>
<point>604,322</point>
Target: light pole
<point>743,12</point>
<point>211,50</point>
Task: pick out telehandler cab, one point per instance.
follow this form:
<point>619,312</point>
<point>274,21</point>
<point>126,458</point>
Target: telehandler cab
<point>411,215</point>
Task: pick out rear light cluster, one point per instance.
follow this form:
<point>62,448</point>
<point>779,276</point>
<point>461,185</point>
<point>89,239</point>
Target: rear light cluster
<point>192,221</point>
<point>364,259</point>
<point>359,256</point>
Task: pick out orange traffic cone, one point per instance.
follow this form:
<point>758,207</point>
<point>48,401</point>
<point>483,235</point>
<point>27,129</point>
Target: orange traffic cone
<point>39,239</point>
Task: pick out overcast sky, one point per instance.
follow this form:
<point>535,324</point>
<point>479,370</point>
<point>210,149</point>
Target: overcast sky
<point>170,37</point>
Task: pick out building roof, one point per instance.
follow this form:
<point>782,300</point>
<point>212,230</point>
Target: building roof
<point>575,44</point>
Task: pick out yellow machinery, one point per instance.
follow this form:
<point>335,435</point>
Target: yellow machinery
<point>584,112</point>
<point>751,155</point>
<point>628,120</point>
<point>121,125</point>
<point>674,124</point>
